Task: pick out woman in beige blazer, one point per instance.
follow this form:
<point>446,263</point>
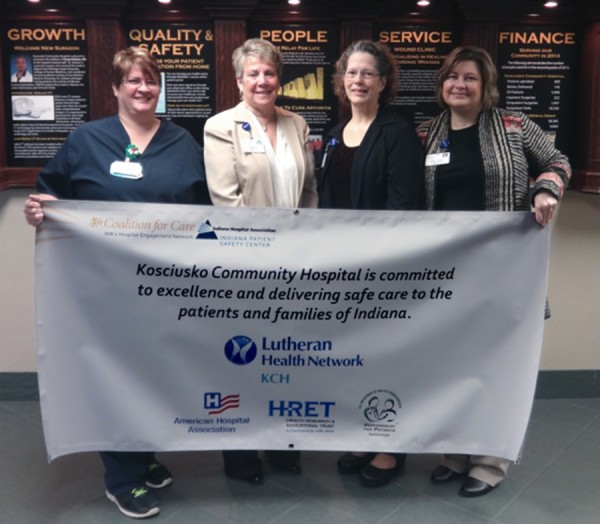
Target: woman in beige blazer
<point>257,155</point>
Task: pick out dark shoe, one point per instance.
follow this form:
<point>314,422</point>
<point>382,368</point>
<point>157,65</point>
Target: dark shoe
<point>373,477</point>
<point>138,503</point>
<point>243,465</point>
<point>255,477</point>
<point>350,464</point>
<point>285,461</point>
<point>443,474</point>
<point>474,488</point>
<point>158,476</point>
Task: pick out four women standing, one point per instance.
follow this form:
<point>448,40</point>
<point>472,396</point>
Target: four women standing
<point>257,154</point>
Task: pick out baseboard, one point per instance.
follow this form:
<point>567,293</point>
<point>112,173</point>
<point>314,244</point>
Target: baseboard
<point>550,384</point>
<point>568,384</point>
<point>19,386</point>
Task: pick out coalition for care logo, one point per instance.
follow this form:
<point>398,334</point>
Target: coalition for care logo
<point>150,228</point>
<point>380,410</point>
<point>240,350</point>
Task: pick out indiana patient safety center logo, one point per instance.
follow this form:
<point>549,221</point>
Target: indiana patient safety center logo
<point>380,409</point>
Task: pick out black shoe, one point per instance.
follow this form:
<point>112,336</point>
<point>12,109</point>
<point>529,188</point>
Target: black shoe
<point>158,476</point>
<point>473,487</point>
<point>138,503</point>
<point>285,461</point>
<point>443,474</point>
<point>373,477</point>
<point>254,477</point>
<point>243,465</point>
<point>350,464</point>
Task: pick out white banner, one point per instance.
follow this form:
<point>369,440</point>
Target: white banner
<point>164,327</point>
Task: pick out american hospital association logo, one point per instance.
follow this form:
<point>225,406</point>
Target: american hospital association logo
<point>216,403</point>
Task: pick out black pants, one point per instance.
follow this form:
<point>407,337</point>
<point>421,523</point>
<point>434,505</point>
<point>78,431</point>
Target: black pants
<point>247,461</point>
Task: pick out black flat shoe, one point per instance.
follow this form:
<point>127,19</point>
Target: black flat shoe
<point>374,477</point>
<point>443,474</point>
<point>255,478</point>
<point>474,488</point>
<point>349,464</point>
<point>285,461</point>
<point>243,465</point>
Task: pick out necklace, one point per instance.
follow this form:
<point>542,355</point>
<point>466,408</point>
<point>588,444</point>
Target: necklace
<point>265,125</point>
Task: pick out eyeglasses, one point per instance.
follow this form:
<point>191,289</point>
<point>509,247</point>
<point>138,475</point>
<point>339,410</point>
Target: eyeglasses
<point>351,74</point>
<point>137,82</point>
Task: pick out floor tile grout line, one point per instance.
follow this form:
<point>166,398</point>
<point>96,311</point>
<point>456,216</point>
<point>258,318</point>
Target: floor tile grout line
<point>398,508</point>
<point>545,468</point>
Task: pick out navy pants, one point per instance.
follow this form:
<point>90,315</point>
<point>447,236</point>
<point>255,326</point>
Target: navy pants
<point>125,470</point>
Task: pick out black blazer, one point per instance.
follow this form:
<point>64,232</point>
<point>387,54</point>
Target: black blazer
<point>387,172</point>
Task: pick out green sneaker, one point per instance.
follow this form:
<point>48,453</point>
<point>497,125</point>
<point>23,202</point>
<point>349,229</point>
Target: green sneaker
<point>138,503</point>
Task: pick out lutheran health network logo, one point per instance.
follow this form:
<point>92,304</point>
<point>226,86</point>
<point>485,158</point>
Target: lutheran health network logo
<point>240,350</point>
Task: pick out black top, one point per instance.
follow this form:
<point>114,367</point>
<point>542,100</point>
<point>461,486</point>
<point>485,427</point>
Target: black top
<point>460,184</point>
<point>339,178</point>
<point>386,169</point>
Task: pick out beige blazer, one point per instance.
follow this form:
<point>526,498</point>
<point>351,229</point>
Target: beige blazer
<point>236,178</point>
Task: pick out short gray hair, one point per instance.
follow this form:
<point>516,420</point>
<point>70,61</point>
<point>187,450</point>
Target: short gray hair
<point>259,48</point>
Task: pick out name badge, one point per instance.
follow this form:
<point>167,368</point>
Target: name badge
<point>122,169</point>
<point>252,145</point>
<point>437,159</point>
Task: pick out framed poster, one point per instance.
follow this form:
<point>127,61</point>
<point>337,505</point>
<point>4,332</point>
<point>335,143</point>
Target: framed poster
<point>185,55</point>
<point>537,76</point>
<point>309,54</point>
<point>419,52</point>
<point>45,65</point>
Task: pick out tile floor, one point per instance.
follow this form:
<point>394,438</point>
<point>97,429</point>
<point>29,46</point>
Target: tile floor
<point>556,483</point>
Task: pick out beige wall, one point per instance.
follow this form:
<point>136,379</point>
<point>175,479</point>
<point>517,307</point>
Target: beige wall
<point>572,334</point>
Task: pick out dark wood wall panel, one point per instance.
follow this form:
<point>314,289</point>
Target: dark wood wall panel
<point>105,38</point>
<point>587,175</point>
<point>483,35</point>
<point>480,22</point>
<point>229,34</point>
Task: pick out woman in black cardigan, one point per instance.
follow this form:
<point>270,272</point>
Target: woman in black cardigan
<point>373,160</point>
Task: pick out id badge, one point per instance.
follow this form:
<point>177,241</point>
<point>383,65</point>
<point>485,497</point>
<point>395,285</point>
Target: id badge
<point>437,159</point>
<point>252,145</point>
<point>132,170</point>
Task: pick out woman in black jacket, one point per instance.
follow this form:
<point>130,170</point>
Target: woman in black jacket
<point>373,160</point>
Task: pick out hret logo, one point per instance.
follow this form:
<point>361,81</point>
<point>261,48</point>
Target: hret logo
<point>295,408</point>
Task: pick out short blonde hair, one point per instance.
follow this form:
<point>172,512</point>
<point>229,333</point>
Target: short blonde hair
<point>259,48</point>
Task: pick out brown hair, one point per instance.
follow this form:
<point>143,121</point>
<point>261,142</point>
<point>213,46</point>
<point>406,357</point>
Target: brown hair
<point>386,68</point>
<point>487,70</point>
<point>125,59</point>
